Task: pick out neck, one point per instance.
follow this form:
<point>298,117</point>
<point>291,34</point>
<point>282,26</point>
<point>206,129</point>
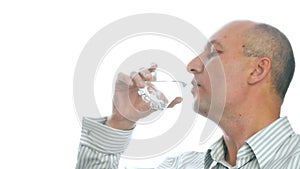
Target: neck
<point>241,124</point>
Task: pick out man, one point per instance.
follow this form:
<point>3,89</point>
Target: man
<point>258,64</point>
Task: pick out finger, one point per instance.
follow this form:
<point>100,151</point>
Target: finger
<point>174,102</point>
<point>146,75</point>
<point>137,79</point>
<point>123,78</point>
<point>152,70</point>
<point>152,67</point>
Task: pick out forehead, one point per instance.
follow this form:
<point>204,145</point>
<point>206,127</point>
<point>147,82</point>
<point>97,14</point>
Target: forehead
<point>231,34</point>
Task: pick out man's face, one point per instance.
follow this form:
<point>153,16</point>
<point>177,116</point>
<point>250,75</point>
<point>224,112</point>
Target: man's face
<point>220,72</point>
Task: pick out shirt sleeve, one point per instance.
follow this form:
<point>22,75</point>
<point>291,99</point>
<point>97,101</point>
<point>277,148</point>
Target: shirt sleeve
<point>100,145</point>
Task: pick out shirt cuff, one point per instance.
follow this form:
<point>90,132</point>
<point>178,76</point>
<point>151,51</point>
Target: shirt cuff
<point>102,138</point>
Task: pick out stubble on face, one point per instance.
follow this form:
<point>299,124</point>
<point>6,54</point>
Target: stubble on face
<point>228,43</point>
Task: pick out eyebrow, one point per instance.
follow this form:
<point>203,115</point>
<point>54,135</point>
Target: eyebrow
<point>216,42</point>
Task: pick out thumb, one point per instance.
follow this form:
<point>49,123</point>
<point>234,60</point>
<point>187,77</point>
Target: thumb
<point>174,102</point>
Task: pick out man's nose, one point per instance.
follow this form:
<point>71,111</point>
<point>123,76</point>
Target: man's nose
<point>196,65</point>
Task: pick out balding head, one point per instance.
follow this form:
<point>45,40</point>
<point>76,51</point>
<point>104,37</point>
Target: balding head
<point>263,40</point>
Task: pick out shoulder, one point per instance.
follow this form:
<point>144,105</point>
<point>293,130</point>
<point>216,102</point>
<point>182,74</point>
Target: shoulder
<point>292,145</point>
<point>294,161</point>
<point>288,156</point>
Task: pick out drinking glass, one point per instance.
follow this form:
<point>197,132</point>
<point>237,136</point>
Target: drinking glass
<point>159,92</point>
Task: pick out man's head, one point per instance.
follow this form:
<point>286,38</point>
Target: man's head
<point>258,64</point>
<point>266,41</point>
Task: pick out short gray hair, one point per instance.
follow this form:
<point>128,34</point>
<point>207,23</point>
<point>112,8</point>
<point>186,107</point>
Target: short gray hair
<point>265,40</point>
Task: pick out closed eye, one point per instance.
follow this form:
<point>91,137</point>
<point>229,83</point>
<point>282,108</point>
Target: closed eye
<point>213,52</point>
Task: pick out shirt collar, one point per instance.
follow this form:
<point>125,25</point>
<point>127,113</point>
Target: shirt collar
<point>266,142</point>
<point>218,150</point>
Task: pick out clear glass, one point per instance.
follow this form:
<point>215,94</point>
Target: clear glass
<point>157,92</point>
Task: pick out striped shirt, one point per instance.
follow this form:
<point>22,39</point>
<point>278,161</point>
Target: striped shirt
<point>274,147</point>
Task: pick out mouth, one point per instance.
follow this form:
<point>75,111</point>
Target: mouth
<point>195,83</point>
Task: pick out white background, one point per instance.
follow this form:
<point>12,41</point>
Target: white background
<point>40,43</point>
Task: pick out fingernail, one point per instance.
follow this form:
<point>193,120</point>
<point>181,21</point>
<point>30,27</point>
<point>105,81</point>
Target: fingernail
<point>179,100</point>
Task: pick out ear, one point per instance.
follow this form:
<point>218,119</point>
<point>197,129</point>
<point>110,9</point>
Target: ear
<point>260,68</point>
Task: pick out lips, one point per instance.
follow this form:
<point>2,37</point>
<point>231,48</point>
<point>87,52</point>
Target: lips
<point>195,83</point>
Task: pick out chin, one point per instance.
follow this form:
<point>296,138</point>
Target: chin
<point>199,107</point>
<point>203,113</point>
<point>199,110</point>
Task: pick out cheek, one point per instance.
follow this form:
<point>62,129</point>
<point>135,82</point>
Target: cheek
<point>216,83</point>
<point>235,87</point>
